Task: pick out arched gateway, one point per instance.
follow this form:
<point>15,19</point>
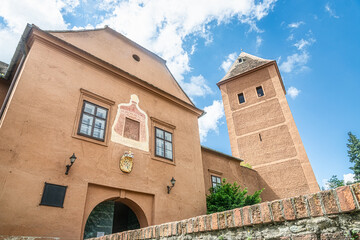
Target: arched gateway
<point>111,217</point>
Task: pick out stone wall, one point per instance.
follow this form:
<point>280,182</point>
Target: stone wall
<point>326,215</point>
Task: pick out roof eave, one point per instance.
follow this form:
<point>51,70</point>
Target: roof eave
<point>273,62</point>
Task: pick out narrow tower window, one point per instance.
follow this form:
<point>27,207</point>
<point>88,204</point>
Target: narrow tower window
<point>260,91</point>
<point>241,98</point>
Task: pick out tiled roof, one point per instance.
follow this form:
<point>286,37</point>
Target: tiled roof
<point>245,62</point>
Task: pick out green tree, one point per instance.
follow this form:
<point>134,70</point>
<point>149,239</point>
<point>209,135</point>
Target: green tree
<point>228,196</point>
<point>334,182</point>
<point>354,154</point>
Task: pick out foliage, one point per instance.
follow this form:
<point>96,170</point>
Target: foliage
<point>246,165</point>
<point>334,182</point>
<point>228,196</point>
<point>354,154</point>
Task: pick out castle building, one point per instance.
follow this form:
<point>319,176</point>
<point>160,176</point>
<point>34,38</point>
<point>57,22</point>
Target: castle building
<point>97,137</point>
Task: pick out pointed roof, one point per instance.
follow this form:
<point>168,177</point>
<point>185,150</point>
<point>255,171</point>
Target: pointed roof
<point>244,63</point>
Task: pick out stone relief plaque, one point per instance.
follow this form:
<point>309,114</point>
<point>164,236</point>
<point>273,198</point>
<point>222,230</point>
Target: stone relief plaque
<point>130,127</point>
<point>126,162</point>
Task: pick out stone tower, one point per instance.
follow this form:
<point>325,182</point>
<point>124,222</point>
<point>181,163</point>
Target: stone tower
<point>261,127</point>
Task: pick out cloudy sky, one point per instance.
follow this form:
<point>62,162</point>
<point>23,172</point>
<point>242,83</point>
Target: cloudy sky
<point>316,45</point>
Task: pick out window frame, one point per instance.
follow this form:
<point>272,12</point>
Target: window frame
<point>238,98</point>
<point>164,141</point>
<point>211,180</point>
<point>166,127</point>
<point>94,99</point>
<point>256,90</point>
<point>93,122</point>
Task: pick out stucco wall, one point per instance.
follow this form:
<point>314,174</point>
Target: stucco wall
<point>36,143</point>
<point>263,133</point>
<point>327,215</point>
<point>220,165</point>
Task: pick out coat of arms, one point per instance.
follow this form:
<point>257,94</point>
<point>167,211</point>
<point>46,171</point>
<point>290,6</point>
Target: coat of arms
<point>126,162</point>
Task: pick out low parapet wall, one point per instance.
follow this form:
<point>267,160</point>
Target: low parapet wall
<point>332,214</point>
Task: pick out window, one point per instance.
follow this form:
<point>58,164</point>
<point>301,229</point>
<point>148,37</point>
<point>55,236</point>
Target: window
<point>259,91</point>
<point>53,195</point>
<point>241,98</point>
<point>163,144</point>
<point>215,181</point>
<point>93,121</point>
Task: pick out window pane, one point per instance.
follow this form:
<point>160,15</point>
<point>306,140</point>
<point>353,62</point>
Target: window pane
<point>213,179</point>
<point>168,146</point>
<point>159,133</point>
<point>98,133</point>
<point>101,112</point>
<point>214,185</point>
<point>168,154</point>
<point>85,129</point>
<point>241,98</point>
<point>260,91</point>
<point>99,123</point>
<point>218,180</point>
<point>89,108</point>
<point>159,143</point>
<point>88,120</point>
<point>160,152</point>
<point>168,136</point>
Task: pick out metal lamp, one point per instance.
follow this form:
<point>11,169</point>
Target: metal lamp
<point>72,160</point>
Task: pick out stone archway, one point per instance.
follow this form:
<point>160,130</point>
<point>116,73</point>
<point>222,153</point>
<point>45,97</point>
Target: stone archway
<point>110,217</point>
<point>132,203</point>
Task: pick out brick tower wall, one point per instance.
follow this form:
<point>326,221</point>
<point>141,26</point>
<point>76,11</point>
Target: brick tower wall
<point>262,132</point>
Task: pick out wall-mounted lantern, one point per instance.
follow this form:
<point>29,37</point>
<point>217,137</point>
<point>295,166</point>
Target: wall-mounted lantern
<point>72,160</point>
<point>172,184</point>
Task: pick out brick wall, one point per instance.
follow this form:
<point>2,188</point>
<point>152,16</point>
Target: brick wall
<point>325,215</point>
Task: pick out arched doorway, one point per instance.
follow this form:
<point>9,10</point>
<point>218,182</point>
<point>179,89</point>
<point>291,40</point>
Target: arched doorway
<point>110,217</point>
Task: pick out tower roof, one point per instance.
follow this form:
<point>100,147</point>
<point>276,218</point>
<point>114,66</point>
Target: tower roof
<point>244,63</point>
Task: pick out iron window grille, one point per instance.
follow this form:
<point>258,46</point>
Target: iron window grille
<point>93,121</point>
<point>163,144</point>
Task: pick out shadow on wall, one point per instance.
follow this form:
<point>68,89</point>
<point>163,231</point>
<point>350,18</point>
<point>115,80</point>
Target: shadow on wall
<point>268,194</point>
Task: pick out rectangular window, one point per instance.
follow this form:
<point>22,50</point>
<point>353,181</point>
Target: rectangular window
<point>93,121</point>
<point>53,195</point>
<point>241,98</point>
<point>163,144</point>
<point>259,91</point>
<point>215,181</point>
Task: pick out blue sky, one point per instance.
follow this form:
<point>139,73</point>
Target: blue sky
<point>316,45</point>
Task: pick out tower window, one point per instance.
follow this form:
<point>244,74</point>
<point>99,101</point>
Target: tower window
<point>241,98</point>
<point>260,91</point>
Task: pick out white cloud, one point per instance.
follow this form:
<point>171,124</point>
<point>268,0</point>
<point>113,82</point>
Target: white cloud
<point>225,65</point>
<point>16,14</point>
<point>325,183</point>
<point>89,26</point>
<point>349,177</point>
<point>163,25</point>
<point>296,24</point>
<point>297,60</point>
<point>330,11</point>
<point>303,43</point>
<point>259,41</point>
<point>211,120</point>
<point>293,92</point>
<point>196,87</point>
<point>291,37</point>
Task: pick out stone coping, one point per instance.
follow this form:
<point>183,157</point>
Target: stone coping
<point>325,203</point>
